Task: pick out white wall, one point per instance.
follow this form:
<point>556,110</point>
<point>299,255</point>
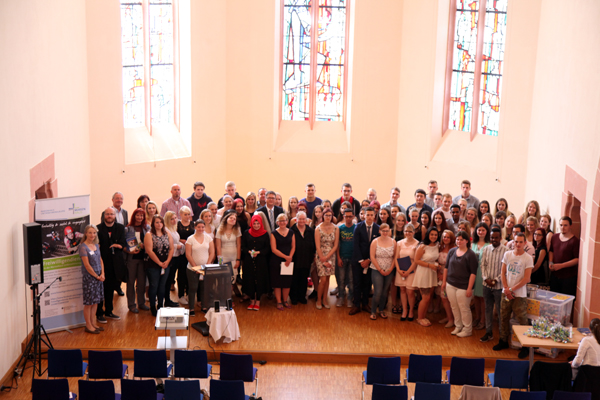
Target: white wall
<point>43,110</point>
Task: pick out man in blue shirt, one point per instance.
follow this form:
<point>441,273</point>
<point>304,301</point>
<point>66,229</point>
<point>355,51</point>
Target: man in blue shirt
<point>311,200</point>
<point>343,271</point>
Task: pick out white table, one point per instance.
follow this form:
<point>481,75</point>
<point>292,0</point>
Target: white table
<point>172,342</point>
<point>223,324</point>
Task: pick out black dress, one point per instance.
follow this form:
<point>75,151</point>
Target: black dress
<point>255,270</point>
<point>540,277</point>
<point>284,245</point>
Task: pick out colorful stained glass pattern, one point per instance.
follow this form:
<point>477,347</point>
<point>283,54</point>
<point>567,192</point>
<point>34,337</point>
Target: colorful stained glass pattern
<point>297,22</point>
<point>132,45</point>
<point>494,38</point>
<point>161,61</point>
<point>463,65</point>
<point>330,60</point>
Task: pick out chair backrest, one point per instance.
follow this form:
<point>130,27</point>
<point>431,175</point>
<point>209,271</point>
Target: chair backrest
<point>236,367</point>
<point>150,364</point>
<point>384,370</point>
<point>588,380</point>
<point>467,371</point>
<point>437,391</point>
<point>138,390</point>
<point>96,390</point>
<point>518,395</point>
<point>388,392</point>
<point>105,364</point>
<point>54,389</point>
<point>561,395</point>
<point>550,376</point>
<point>480,392</point>
<point>191,364</point>
<point>182,390</point>
<point>226,390</point>
<point>65,363</point>
<point>510,374</point>
<point>425,368</point>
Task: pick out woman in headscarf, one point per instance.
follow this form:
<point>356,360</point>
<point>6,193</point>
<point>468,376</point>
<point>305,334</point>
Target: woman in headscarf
<point>255,249</point>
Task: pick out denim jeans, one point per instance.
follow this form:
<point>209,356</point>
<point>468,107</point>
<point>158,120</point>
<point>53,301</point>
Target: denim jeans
<point>491,297</point>
<point>381,288</point>
<point>157,285</point>
<point>343,275</point>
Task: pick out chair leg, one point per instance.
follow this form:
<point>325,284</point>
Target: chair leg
<point>256,387</point>
<point>363,390</point>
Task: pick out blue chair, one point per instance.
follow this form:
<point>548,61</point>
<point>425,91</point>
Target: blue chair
<point>65,363</point>
<point>510,374</point>
<point>192,364</point>
<point>427,391</point>
<point>424,369</point>
<point>561,395</point>
<point>227,390</point>
<point>150,364</point>
<point>518,395</point>
<point>106,365</point>
<point>53,389</point>
<point>238,367</point>
<point>466,371</point>
<point>97,390</point>
<point>387,392</point>
<point>139,390</point>
<point>383,370</point>
<point>183,390</point>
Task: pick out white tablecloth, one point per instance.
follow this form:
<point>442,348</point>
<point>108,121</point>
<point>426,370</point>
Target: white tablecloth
<point>223,325</point>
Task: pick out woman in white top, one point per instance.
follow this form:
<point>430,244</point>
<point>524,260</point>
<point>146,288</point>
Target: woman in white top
<point>589,349</point>
<point>207,217</point>
<point>383,254</point>
<point>426,275</point>
<point>228,243</point>
<point>216,218</point>
<point>227,205</point>
<point>407,247</point>
<point>531,224</point>
<point>199,250</point>
<point>178,251</point>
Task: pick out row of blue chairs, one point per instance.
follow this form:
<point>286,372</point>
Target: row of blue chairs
<point>58,389</point>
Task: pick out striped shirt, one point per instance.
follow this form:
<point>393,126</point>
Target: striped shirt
<point>491,264</point>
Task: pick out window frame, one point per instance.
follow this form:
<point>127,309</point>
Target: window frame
<point>313,65</point>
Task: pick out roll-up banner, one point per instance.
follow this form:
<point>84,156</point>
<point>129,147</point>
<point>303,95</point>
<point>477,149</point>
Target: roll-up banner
<point>63,221</point>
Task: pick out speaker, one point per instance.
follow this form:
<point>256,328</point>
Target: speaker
<point>32,246</point>
<point>229,305</point>
<point>217,306</point>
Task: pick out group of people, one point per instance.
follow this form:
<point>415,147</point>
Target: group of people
<point>444,252</point>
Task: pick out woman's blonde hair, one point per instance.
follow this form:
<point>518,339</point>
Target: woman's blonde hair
<point>87,228</point>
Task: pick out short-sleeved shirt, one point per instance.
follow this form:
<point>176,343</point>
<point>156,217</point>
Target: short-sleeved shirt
<point>563,252</point>
<point>515,270</point>
<point>346,240</point>
<point>310,205</point>
<point>460,268</point>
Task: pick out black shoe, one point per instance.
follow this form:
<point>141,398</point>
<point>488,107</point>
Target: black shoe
<point>486,338</point>
<point>120,292</point>
<point>143,307</point>
<point>153,311</point>
<point>500,346</point>
<point>134,310</point>
<point>112,316</point>
<point>302,301</point>
<point>524,353</point>
<point>192,313</point>
<point>313,295</point>
<point>170,303</point>
<point>295,302</point>
<point>238,280</point>
<point>101,319</point>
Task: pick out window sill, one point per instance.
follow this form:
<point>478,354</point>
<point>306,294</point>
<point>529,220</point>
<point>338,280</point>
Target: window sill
<point>166,143</point>
<point>325,137</point>
<point>456,147</point>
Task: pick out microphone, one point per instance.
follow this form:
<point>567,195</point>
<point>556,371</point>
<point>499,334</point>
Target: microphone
<point>60,278</point>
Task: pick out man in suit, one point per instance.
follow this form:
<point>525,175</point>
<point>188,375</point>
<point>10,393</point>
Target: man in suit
<point>364,234</point>
<point>346,196</point>
<point>121,217</point>
<point>111,235</point>
<point>270,210</point>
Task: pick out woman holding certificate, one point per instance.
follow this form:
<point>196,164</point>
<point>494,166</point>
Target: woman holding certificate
<point>405,266</point>
<point>283,246</point>
<point>199,250</point>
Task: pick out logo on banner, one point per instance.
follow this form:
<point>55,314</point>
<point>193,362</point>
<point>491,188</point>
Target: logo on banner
<point>77,210</point>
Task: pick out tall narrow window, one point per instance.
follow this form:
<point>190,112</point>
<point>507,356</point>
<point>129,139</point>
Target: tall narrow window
<point>473,104</point>
<point>314,66</point>
<point>148,55</point>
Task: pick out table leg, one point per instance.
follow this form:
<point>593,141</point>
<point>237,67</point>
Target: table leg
<point>173,334</point>
<point>530,358</point>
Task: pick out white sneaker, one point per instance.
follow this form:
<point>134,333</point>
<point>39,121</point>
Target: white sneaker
<point>183,300</point>
<point>464,333</point>
<point>339,302</point>
<point>334,292</point>
<point>456,331</point>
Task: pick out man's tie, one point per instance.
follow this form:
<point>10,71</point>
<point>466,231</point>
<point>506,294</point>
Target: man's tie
<point>369,233</point>
<point>272,220</point>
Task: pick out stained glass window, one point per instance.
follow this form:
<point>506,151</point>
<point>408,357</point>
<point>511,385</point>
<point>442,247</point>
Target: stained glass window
<point>324,81</point>
<point>147,75</point>
<point>477,70</point>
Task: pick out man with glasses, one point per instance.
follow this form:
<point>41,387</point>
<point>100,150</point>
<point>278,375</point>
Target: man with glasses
<point>270,210</point>
<point>343,268</point>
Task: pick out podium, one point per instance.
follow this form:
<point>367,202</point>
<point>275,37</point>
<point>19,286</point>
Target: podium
<point>172,342</point>
<point>217,284</point>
